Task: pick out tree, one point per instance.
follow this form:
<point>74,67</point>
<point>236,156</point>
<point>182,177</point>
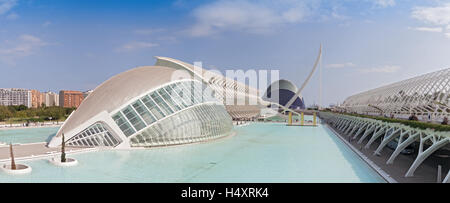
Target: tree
<point>5,113</point>
<point>63,152</point>
<point>21,114</point>
<point>413,117</point>
<point>13,163</point>
<point>21,107</point>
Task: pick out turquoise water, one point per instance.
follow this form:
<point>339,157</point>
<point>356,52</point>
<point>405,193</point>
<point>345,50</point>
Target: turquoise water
<point>28,135</point>
<point>258,153</point>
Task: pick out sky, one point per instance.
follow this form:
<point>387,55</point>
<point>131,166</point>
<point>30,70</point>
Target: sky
<point>52,45</point>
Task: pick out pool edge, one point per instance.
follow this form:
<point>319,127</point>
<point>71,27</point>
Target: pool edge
<point>369,162</point>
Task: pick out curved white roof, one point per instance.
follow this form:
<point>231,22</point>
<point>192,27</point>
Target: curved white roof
<point>206,75</point>
<point>116,91</point>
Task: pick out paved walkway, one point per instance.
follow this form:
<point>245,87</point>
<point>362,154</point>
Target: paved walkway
<point>8,127</point>
<point>34,151</point>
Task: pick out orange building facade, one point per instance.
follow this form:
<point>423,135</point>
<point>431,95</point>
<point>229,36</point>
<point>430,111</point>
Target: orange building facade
<point>69,98</point>
<point>37,98</point>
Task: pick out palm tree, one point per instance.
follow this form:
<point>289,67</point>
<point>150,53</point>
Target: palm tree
<point>63,152</point>
<point>13,163</point>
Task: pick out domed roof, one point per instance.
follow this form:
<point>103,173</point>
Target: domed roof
<point>282,84</point>
<point>118,90</point>
<point>282,92</point>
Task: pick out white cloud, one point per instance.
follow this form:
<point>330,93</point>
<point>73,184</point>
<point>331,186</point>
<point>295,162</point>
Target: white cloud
<point>266,16</point>
<point>46,24</point>
<point>340,65</point>
<point>132,46</point>
<point>384,3</point>
<point>447,35</point>
<point>245,15</point>
<point>25,45</point>
<point>428,29</point>
<point>382,69</point>
<point>439,15</point>
<point>7,5</point>
<point>12,16</point>
<point>148,31</point>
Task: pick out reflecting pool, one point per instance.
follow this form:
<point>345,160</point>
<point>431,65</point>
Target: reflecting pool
<point>27,135</point>
<point>259,152</point>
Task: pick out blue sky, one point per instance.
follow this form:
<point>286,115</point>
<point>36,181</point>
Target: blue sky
<point>77,44</point>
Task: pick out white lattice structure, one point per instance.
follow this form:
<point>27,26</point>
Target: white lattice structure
<point>366,131</point>
<point>425,96</point>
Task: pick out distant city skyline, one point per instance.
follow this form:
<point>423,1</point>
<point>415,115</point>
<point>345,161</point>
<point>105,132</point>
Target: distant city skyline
<point>58,45</point>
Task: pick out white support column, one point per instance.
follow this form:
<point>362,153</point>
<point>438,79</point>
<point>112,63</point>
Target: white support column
<point>375,136</point>
<point>343,125</point>
<point>361,129</point>
<point>386,140</point>
<point>336,122</point>
<point>357,126</point>
<point>351,126</point>
<point>424,154</point>
<point>339,123</point>
<point>402,145</point>
<point>374,128</point>
<point>447,178</point>
<point>346,124</point>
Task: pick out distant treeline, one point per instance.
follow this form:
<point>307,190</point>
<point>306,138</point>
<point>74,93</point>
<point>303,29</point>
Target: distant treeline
<point>23,113</point>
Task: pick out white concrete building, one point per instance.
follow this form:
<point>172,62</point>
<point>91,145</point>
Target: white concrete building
<point>51,99</point>
<point>153,106</point>
<point>15,97</point>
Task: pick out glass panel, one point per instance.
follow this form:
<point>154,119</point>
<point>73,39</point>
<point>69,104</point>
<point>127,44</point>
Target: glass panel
<point>196,124</point>
<point>108,141</point>
<point>133,118</point>
<point>143,112</point>
<point>85,143</point>
<point>161,103</point>
<point>169,99</point>
<point>173,94</point>
<point>113,139</point>
<point>191,88</point>
<point>123,124</point>
<point>92,131</point>
<point>89,142</point>
<point>150,104</point>
<point>95,130</point>
<point>183,93</point>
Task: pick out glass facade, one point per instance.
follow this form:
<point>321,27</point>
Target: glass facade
<point>94,136</point>
<point>202,122</point>
<point>151,120</point>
